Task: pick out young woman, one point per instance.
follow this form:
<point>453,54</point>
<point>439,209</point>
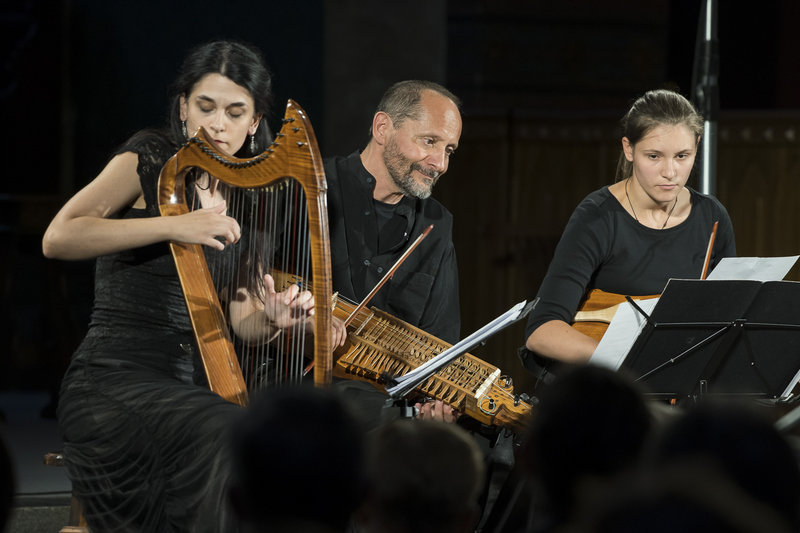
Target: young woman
<point>631,237</point>
<point>143,435</point>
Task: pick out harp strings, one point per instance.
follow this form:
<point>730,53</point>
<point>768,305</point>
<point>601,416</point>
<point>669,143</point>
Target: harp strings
<point>274,238</point>
<point>293,256</point>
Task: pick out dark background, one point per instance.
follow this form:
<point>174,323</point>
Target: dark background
<point>78,77</point>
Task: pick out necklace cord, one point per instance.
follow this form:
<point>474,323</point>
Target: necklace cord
<point>634,210</point>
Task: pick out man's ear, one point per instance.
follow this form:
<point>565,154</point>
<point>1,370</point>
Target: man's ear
<point>382,126</point>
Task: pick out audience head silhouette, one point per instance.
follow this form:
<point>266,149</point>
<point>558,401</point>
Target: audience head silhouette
<point>423,476</point>
<point>690,498</point>
<point>297,461</point>
<point>591,425</point>
<point>744,445</point>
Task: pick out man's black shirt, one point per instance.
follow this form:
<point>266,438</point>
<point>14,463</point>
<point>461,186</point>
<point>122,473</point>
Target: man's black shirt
<point>367,238</point>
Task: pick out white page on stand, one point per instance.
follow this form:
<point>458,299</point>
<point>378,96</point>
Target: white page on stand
<point>621,334</point>
<point>753,268</point>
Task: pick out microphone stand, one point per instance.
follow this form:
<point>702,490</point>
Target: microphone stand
<point>705,93</point>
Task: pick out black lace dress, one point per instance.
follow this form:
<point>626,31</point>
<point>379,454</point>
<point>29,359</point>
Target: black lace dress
<point>144,438</point>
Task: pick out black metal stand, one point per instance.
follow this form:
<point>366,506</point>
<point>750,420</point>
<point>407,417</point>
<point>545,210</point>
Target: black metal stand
<point>737,338</point>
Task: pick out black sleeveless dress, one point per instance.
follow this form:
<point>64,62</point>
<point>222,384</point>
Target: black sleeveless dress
<point>145,440</point>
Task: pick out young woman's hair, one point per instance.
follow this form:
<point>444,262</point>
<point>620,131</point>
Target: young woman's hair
<point>242,64</point>
<point>656,108</point>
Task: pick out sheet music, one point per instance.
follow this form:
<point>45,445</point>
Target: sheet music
<point>791,385</point>
<point>621,334</point>
<point>422,372</point>
<point>753,268</point>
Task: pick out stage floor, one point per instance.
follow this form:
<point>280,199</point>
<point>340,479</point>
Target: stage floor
<point>42,492</point>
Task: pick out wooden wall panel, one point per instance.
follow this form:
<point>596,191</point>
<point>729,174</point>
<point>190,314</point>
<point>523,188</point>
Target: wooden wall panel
<point>759,183</point>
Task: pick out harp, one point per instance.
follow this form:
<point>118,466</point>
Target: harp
<point>279,198</point>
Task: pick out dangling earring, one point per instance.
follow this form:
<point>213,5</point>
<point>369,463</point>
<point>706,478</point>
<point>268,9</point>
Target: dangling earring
<point>253,144</point>
<point>183,129</point>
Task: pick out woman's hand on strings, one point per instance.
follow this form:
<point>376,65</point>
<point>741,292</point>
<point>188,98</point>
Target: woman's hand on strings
<point>207,226</point>
<point>295,308</point>
<point>288,308</point>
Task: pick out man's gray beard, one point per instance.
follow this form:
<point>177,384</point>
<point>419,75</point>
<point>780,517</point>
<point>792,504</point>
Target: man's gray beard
<point>395,163</point>
<point>412,187</point>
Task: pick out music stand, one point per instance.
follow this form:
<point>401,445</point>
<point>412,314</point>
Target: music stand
<point>734,338</point>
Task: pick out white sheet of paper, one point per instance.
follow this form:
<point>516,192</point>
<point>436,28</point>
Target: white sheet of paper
<point>753,268</point>
<point>621,334</point>
<point>791,385</point>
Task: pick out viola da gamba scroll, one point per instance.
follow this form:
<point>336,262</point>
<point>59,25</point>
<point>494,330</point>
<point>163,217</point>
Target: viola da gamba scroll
<point>380,345</point>
<point>279,199</point>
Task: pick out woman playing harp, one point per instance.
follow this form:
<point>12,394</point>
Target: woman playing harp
<point>142,434</point>
<point>631,237</point>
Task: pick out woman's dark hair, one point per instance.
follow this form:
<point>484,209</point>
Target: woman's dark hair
<point>245,66</point>
<point>656,108</point>
<point>242,64</point>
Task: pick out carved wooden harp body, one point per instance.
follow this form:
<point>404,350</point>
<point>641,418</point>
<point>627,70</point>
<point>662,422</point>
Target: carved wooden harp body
<point>282,196</point>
